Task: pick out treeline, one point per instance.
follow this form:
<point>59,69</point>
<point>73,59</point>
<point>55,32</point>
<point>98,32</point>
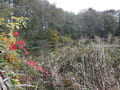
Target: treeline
<point>48,23</point>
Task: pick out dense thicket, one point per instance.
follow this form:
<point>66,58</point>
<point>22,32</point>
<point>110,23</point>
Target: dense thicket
<point>44,17</point>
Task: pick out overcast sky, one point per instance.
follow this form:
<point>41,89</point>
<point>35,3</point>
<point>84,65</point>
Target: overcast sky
<point>77,5</point>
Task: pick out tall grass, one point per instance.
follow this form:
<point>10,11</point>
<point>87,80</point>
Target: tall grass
<point>89,65</point>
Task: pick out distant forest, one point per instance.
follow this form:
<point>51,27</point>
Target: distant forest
<point>47,23</point>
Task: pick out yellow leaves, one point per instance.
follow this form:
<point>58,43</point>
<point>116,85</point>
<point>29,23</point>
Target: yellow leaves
<point>17,21</point>
<point>13,59</point>
<point>17,27</point>
<point>13,25</point>
<point>6,40</point>
<point>10,57</point>
<point>1,20</point>
<point>52,36</point>
<point>15,81</point>
<point>20,21</point>
<point>16,18</point>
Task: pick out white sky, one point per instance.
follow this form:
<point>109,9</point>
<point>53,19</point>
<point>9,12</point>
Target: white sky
<point>77,5</point>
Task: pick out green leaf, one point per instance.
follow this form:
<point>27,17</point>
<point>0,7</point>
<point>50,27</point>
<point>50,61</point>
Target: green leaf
<point>2,60</point>
<point>17,27</point>
<point>3,46</point>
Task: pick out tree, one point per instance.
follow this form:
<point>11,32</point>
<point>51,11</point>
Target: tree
<point>110,24</point>
<point>97,23</point>
<point>51,36</point>
<point>91,22</point>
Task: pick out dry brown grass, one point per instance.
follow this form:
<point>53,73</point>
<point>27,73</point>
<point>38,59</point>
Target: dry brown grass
<point>85,66</point>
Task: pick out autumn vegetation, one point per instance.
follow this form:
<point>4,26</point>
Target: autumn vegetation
<point>46,48</point>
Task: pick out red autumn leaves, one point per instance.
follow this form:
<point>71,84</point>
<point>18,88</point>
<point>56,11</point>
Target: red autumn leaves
<point>12,47</point>
<point>32,63</point>
<point>15,34</point>
<point>20,43</point>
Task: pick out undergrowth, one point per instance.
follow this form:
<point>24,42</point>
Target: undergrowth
<point>89,65</point>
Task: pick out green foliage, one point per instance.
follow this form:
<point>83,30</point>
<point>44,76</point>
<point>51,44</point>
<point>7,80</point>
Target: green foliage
<point>51,36</point>
<point>4,10</point>
<point>98,23</point>
<point>65,39</point>
<point>43,15</point>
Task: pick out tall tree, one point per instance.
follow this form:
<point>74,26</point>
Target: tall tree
<point>110,23</point>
